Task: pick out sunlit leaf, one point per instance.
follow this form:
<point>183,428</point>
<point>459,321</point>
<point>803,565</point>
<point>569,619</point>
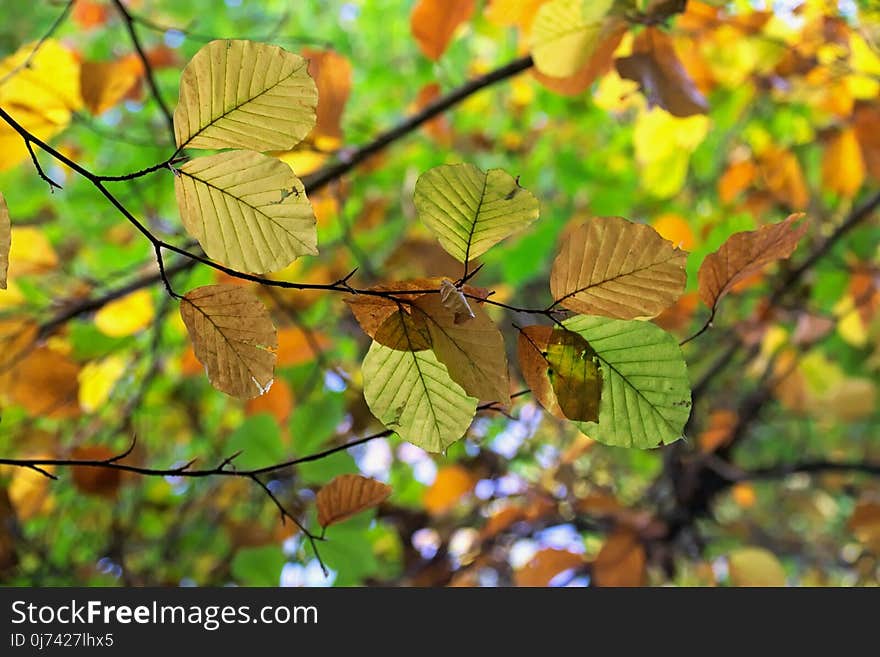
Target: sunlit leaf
<point>433,23</point>
<point>97,380</point>
<point>412,393</point>
<point>233,337</point>
<point>126,316</point>
<point>646,396</point>
<point>843,170</point>
<point>470,210</point>
<point>451,484</point>
<point>105,84</point>
<point>247,210</point>
<point>243,94</point>
<point>613,267</point>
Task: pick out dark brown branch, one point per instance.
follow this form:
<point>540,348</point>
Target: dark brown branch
<point>148,68</point>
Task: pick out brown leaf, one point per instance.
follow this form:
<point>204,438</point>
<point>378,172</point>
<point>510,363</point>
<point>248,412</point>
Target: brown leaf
<point>865,523</point>
<point>433,22</point>
<point>621,561</point>
<point>616,268</point>
<point>101,482</point>
<point>744,254</point>
<point>348,495</point>
<point>866,122</point>
<point>5,241</point>
<point>332,74</point>
<point>233,337</point>
<point>663,79</point>
<point>473,352</point>
<point>44,382</point>
<point>784,178</point>
<point>104,85</point>
<point>547,564</point>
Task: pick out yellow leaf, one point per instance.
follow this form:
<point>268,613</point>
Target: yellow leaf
<point>30,252</point>
<point>850,325</point>
<point>565,33</point>
<point>664,144</point>
<point>267,89</point>
<point>843,170</point>
<point>97,379</point>
<point>348,495</point>
<point>233,337</point>
<point>451,484</point>
<point>520,13</point>
<point>247,210</point>
<point>752,566</point>
<point>126,316</point>
<point>47,83</point>
<point>616,268</point>
<point>433,23</point>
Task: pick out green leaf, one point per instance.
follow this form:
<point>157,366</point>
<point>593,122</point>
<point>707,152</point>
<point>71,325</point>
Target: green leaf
<point>242,94</point>
<point>412,393</point>
<point>646,396</point>
<point>247,210</point>
<point>258,566</point>
<point>469,210</point>
<point>259,440</point>
<point>314,422</point>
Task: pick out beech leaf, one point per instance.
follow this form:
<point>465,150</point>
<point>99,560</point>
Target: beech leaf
<point>610,266</point>
<point>433,23</point>
<point>412,393</point>
<point>744,254</point>
<point>646,397</point>
<point>233,337</point>
<point>661,76</point>
<point>348,495</point>
<point>243,94</point>
<point>247,210</point>
<point>470,211</point>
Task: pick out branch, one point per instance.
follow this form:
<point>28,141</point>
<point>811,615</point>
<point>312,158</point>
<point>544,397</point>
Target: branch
<point>148,68</point>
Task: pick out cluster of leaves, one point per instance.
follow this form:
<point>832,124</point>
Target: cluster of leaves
<point>703,123</point>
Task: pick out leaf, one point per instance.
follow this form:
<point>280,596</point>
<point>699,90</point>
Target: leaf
<point>413,394</point>
<point>103,85</point>
<point>97,380</point>
<point>247,210</point>
<point>473,352</point>
<point>661,76</point>
<point>258,566</point>
<point>646,396</point>
<point>126,316</point>
<point>433,23</point>
<point>332,74</point>
<point>101,482</point>
<point>470,211</point>
<point>242,94</point>
<point>5,241</point>
<point>258,438</point>
<point>751,566</point>
<point>455,302</point>
<point>843,170</point>
<point>744,254</point>
<point>613,267</point>
<point>381,318</point>
<point>562,371</point>
<point>598,64</point>
<point>451,484</point>
<point>277,402</point>
<point>621,561</point>
<point>546,565</point>
<point>44,382</point>
<point>348,495</point>
<point>566,33</point>
<point>865,523</point>
<point>233,337</point>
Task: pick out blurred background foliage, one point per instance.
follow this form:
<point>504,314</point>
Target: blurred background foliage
<point>794,92</point>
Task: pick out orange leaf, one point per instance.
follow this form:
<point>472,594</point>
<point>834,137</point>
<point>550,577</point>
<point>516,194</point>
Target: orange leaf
<point>295,346</point>
<point>866,123</point>
<point>45,383</point>
<point>348,495</point>
<point>784,178</point>
<point>599,64</point>
<point>546,565</point>
<point>332,74</point>
<point>738,177</point>
<point>89,14</point>
<point>452,483</point>
<point>433,22</point>
<point>843,170</point>
<point>676,229</point>
<point>278,402</point>
<point>621,561</point>
<point>744,254</point>
<point>657,69</point>
<point>437,128</point>
<point>722,422</point>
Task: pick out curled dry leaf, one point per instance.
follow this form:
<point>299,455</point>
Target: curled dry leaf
<point>230,83</point>
<point>661,76</point>
<point>744,254</point>
<point>616,268</point>
<point>433,23</point>
<point>347,495</point>
<point>233,337</point>
<point>455,302</point>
